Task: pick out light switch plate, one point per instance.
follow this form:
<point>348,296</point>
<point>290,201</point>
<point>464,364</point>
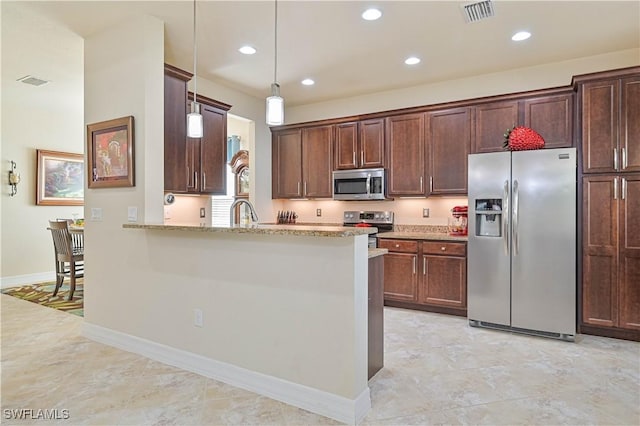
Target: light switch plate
<point>96,214</point>
<point>132,214</point>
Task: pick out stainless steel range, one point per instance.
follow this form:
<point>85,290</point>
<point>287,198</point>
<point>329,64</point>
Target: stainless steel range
<point>383,220</point>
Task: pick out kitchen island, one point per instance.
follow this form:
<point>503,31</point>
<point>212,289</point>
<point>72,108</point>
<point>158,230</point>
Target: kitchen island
<point>278,310</point>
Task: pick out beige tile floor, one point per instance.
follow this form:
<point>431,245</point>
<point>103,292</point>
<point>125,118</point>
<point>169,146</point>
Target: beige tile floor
<point>438,370</point>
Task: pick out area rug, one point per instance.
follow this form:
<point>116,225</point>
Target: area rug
<point>42,294</point>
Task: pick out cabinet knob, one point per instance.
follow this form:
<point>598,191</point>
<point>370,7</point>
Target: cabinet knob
<point>397,245</point>
<point>443,248</point>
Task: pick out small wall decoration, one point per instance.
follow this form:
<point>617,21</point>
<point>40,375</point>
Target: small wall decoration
<point>60,179</point>
<point>110,154</point>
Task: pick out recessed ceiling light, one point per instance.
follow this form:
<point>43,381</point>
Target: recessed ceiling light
<point>522,35</point>
<point>412,60</point>
<point>308,82</point>
<point>247,50</point>
<point>371,14</point>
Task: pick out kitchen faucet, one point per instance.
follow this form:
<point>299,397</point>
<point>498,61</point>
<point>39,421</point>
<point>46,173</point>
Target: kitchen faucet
<point>254,215</point>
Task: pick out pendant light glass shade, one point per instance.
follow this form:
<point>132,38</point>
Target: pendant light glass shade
<point>275,107</point>
<point>194,121</point>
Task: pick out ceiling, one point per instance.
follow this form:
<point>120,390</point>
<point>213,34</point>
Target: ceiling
<point>329,42</point>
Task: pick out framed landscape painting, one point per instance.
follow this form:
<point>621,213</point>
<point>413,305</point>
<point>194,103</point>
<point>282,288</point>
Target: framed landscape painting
<point>110,156</point>
<point>60,179</point>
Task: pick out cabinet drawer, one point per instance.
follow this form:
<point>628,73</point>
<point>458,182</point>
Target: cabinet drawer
<point>402,246</point>
<point>449,249</point>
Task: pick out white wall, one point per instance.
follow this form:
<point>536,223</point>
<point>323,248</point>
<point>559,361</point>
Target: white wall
<point>532,78</point>
<point>47,117</point>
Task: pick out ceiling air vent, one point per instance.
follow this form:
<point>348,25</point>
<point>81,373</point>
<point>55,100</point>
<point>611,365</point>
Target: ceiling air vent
<point>34,81</point>
<point>475,12</point>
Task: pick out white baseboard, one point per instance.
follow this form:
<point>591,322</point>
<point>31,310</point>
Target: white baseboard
<point>16,280</point>
<point>350,411</point>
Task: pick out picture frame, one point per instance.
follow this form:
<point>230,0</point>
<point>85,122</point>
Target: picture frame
<point>59,178</point>
<point>110,153</point>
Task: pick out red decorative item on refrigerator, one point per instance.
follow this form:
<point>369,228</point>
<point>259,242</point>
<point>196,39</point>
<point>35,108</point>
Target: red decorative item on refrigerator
<point>522,138</point>
<point>458,224</point>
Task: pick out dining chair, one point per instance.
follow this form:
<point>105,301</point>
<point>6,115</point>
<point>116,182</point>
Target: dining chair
<point>69,257</point>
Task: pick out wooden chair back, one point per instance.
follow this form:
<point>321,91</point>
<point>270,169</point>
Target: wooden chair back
<point>61,240</point>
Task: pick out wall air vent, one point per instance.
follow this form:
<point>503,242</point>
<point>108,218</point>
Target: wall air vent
<point>475,12</point>
<point>34,81</point>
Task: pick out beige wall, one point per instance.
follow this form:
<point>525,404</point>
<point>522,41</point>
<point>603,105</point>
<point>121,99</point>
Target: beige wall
<point>47,117</point>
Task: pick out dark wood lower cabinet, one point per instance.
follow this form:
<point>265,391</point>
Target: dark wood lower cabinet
<point>376,315</point>
<point>426,275</point>
<point>611,256</point>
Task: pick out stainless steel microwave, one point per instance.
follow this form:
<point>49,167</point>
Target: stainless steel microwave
<point>359,184</point>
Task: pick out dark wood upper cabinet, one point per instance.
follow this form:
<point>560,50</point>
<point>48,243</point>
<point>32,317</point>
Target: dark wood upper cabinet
<point>359,144</point>
<point>371,134</point>
<point>287,164</point>
<point>492,120</point>
<point>630,124</point>
<point>302,162</point>
<point>552,118</point>
<point>611,125</point>
<point>193,165</point>
<point>406,157</point>
<point>213,151</point>
<point>448,140</point>
<point>346,146</point>
<point>317,161</point>
<point>175,128</point>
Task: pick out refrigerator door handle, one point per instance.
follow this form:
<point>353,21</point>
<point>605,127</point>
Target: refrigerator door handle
<point>515,217</point>
<point>505,216</point>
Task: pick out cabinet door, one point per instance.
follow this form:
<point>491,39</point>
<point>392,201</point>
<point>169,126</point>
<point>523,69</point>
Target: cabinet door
<point>600,103</point>
<point>175,134</point>
<point>400,277</point>
<point>317,161</point>
<point>552,118</point>
<point>372,143</point>
<point>444,281</point>
<point>448,139</point>
<point>630,252</point>
<point>346,145</point>
<point>600,250</point>
<point>193,164</point>
<point>406,155</point>
<point>287,164</point>
<point>491,123</point>
<point>213,151</point>
<point>630,125</point>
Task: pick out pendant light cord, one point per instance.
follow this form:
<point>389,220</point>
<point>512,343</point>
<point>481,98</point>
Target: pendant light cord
<point>275,66</point>
<point>195,55</point>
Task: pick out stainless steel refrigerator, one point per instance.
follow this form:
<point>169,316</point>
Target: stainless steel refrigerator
<point>522,241</point>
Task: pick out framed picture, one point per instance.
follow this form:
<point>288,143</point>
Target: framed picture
<point>110,156</point>
<point>60,179</point>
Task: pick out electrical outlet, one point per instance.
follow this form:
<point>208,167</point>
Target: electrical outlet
<point>318,212</point>
<point>425,212</point>
<point>202,212</point>
<point>197,317</point>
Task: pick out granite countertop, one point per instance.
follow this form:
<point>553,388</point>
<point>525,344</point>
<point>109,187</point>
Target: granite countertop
<point>375,252</point>
<point>263,229</point>
<point>413,235</point>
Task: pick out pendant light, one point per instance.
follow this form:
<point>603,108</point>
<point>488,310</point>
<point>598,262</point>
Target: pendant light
<point>194,118</point>
<point>275,104</point>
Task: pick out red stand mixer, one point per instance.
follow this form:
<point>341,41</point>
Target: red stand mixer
<point>458,223</point>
